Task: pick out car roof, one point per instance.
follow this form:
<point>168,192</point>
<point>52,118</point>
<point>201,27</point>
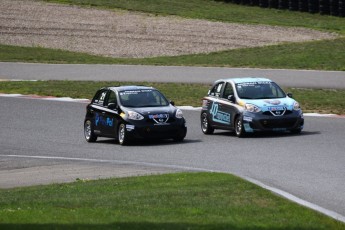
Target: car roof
<point>129,87</point>
<point>244,79</point>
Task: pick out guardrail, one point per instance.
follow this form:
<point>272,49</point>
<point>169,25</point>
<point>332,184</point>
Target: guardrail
<point>324,7</point>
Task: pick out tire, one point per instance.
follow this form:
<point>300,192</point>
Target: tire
<point>89,134</point>
<point>239,129</point>
<point>205,124</point>
<point>122,134</point>
<point>180,137</point>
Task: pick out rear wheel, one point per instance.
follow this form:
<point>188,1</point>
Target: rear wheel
<point>122,134</point>
<point>205,124</point>
<point>240,132</point>
<point>89,134</point>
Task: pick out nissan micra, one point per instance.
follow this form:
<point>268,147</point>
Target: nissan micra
<point>248,105</point>
<point>133,112</point>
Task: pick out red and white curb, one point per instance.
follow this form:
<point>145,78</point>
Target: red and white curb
<point>68,99</point>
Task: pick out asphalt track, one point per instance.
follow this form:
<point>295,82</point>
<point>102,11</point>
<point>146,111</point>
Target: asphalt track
<point>41,133</point>
<point>43,136</point>
<point>288,78</point>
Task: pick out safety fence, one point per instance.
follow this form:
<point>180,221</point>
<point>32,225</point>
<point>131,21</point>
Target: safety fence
<point>325,7</point>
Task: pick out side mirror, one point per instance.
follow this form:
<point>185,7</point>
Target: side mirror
<point>172,103</point>
<point>112,106</point>
<point>231,98</point>
<point>289,95</point>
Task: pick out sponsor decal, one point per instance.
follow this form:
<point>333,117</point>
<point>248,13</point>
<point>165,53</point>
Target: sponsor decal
<point>130,127</point>
<point>219,116</point>
<point>272,102</point>
<point>99,120</point>
<point>245,118</point>
<point>159,118</point>
<point>276,108</point>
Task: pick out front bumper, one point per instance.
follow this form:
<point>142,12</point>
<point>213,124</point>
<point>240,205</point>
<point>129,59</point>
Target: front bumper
<point>136,130</point>
<point>253,122</point>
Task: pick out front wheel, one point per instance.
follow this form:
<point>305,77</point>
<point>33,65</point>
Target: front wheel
<point>239,129</point>
<point>89,134</point>
<point>205,124</point>
<point>122,134</point>
<point>296,131</point>
<point>180,136</point>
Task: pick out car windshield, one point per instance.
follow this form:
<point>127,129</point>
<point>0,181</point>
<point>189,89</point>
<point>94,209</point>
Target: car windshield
<point>259,90</point>
<point>142,98</point>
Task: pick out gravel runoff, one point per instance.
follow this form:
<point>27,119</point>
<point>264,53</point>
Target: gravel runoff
<point>117,33</point>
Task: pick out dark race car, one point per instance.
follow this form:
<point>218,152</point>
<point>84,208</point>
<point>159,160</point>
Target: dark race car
<point>247,105</point>
<point>130,112</point>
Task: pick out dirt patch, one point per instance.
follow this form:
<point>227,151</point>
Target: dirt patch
<point>127,34</point>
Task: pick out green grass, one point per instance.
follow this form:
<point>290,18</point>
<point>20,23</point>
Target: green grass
<point>171,201</point>
<point>311,100</point>
<point>322,55</point>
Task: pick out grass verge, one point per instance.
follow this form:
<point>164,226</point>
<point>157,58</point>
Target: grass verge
<point>170,201</point>
<point>322,55</point>
<point>311,100</point>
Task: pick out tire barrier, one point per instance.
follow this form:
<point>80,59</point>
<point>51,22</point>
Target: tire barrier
<point>341,8</point>
<point>333,7</point>
<point>326,7</point>
<point>283,4</point>
<point>303,5</point>
<point>273,3</point>
<point>263,3</point>
<point>254,2</point>
<point>245,2</point>
<point>293,5</point>
<point>313,6</point>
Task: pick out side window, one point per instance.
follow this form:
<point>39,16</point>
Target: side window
<point>99,97</point>
<point>228,90</point>
<point>216,90</point>
<point>111,98</point>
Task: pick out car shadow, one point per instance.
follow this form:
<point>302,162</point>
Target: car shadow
<point>269,134</point>
<point>149,142</point>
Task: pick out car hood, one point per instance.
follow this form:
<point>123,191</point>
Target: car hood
<point>154,110</point>
<point>269,104</point>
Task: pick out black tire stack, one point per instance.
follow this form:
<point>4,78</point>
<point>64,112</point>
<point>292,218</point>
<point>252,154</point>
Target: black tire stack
<point>273,4</point>
<point>293,5</point>
<point>303,5</point>
<point>313,6</point>
<point>283,4</point>
<point>325,7</point>
<point>341,8</point>
<point>263,3</point>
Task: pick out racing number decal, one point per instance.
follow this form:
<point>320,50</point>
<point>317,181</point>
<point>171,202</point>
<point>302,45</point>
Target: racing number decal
<point>219,116</point>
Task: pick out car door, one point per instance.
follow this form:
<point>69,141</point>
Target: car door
<point>227,107</point>
<point>110,114</point>
<point>97,111</point>
<point>217,110</point>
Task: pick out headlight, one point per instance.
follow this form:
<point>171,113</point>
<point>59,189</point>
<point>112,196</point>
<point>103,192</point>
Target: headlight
<point>179,113</point>
<point>296,106</point>
<point>134,115</point>
<point>252,108</point>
